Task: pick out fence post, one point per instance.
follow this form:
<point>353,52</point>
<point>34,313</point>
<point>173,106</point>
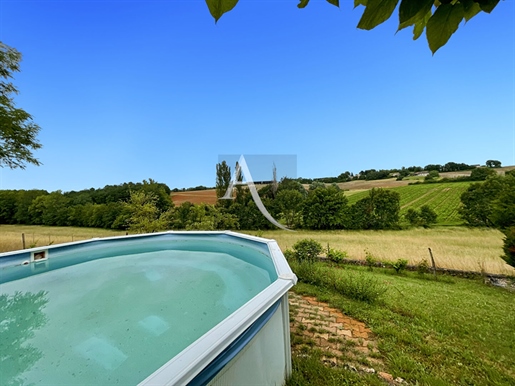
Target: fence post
<point>23,240</point>
<point>432,262</point>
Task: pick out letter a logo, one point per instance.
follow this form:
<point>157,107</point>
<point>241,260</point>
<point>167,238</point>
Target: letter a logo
<point>242,170</point>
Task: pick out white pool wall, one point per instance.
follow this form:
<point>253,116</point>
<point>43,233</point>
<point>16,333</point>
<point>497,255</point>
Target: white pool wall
<point>266,359</point>
<point>270,346</point>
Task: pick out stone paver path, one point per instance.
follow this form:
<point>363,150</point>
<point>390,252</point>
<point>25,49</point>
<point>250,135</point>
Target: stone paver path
<point>347,341</point>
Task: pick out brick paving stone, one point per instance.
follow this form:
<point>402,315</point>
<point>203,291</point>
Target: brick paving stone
<point>330,328</point>
<point>322,336</point>
<point>387,377</point>
<point>345,333</point>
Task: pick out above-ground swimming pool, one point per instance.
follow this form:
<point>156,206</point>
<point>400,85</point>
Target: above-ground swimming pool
<point>170,308</point>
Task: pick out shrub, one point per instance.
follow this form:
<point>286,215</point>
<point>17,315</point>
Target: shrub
<point>307,250</point>
<point>289,254</point>
<point>359,286</point>
<point>356,286</point>
<point>481,174</point>
<point>423,267</point>
<point>336,255</point>
<point>370,260</point>
<point>412,216</point>
<point>433,174</point>
<point>399,265</point>
<point>308,273</point>
<point>425,217</point>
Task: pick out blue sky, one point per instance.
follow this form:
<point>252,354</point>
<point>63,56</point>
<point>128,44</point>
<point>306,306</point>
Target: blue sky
<point>131,90</point>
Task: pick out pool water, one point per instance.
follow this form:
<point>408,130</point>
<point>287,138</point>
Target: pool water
<point>116,320</point>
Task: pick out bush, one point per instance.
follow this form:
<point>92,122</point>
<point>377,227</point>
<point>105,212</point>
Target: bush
<point>336,255</point>
<point>289,254</point>
<point>399,265</point>
<point>412,216</point>
<point>370,260</point>
<point>425,217</point>
<point>481,174</point>
<point>309,273</point>
<point>357,286</point>
<point>307,250</point>
<point>433,174</point>
<point>423,267</point>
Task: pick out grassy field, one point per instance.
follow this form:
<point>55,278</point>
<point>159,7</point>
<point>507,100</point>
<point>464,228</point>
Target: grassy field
<point>447,332</point>
<point>443,198</point>
<point>36,235</point>
<point>453,247</point>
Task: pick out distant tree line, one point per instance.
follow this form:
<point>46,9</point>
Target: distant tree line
<point>373,174</point>
<point>381,174</point>
<point>477,174</point>
<point>100,208</point>
<point>147,207</point>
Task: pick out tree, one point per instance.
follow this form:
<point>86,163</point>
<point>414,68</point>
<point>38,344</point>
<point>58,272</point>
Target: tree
<point>493,163</point>
<point>325,208</point>
<point>425,217</point>
<point>481,174</point>
<point>18,132</point>
<point>428,216</point>
<point>509,246</point>
<point>432,175</point>
<point>477,202</point>
<point>503,204</point>
<point>145,216</point>
<point>290,204</point>
<point>50,209</point>
<point>223,178</point>
<point>380,210</point>
<point>436,167</point>
<point>439,18</point>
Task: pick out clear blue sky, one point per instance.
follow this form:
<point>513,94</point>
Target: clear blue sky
<point>131,90</point>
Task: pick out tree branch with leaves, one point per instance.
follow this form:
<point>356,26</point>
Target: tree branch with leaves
<point>439,18</point>
<point>18,132</point>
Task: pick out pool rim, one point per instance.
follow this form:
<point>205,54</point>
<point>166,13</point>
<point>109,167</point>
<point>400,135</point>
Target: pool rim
<point>183,367</point>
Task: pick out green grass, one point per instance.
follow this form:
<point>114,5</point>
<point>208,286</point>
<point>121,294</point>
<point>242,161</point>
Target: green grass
<point>308,370</point>
<point>443,198</point>
<point>446,332</point>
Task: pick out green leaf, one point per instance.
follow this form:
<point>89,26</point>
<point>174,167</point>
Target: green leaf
<point>218,7</point>
<point>487,5</point>
<point>302,3</point>
<point>413,10</point>
<point>376,12</point>
<point>336,3</point>
<point>471,8</point>
<point>421,25</point>
<point>443,24</point>
<point>360,2</point>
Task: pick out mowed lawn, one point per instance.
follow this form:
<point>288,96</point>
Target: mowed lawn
<point>450,331</point>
